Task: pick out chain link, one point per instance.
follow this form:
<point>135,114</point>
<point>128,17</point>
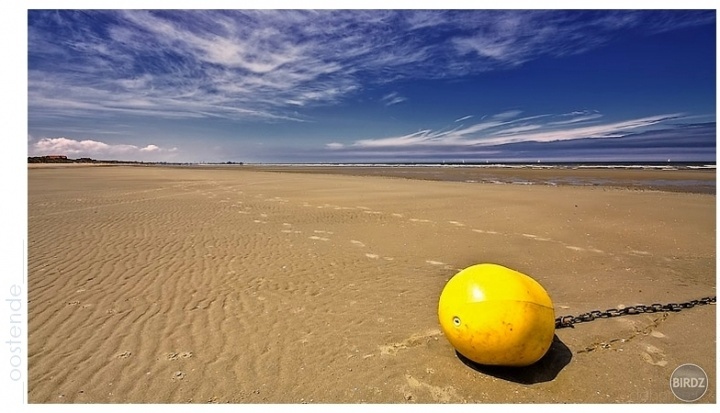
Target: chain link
<point>570,321</point>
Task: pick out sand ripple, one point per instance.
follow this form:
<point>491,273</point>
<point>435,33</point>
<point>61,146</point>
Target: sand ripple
<point>187,285</point>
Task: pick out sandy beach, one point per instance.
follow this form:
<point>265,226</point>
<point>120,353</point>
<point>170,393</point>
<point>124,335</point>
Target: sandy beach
<point>241,285</point>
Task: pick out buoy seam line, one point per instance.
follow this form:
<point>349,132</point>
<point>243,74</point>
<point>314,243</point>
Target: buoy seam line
<point>515,301</point>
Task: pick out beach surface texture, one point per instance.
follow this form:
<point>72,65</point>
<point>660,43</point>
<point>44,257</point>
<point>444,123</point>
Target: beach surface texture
<point>268,285</point>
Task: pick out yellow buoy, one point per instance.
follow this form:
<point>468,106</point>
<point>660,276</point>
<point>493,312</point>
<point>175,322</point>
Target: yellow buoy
<point>497,316</point>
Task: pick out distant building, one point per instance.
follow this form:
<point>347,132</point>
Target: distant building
<point>49,159</point>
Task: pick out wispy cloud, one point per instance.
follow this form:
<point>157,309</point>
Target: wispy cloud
<point>463,118</point>
<point>267,64</point>
<point>507,114</point>
<point>393,99</point>
<point>512,38</point>
<point>578,119</point>
<point>504,128</point>
<point>237,65</point>
<point>643,139</point>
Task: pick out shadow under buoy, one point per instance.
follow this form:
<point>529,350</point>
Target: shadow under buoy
<point>546,369</point>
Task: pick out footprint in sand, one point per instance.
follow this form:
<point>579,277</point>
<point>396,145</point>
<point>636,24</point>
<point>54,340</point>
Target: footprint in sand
<point>319,238</point>
<point>570,247</point>
<point>440,263</point>
<point>414,340</point>
<point>373,256</point>
<point>177,356</point>
<point>319,231</point>
<point>277,199</point>
<point>482,231</point>
<point>357,243</point>
<point>535,237</point>
<point>438,394</point>
<point>395,214</point>
<point>456,223</point>
<point>289,231</point>
<point>124,355</point>
<point>654,356</point>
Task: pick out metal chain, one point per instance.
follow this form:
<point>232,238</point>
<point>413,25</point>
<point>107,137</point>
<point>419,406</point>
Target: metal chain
<point>569,321</point>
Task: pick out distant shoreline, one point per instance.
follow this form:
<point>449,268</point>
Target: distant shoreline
<point>685,177</point>
<point>657,164</point>
<point>50,165</point>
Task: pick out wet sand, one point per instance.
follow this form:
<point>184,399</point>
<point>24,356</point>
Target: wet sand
<point>674,180</point>
<point>215,285</point>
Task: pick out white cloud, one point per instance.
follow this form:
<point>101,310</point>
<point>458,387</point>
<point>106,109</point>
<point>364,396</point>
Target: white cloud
<point>334,145</point>
<point>265,64</point>
<point>463,118</point>
<point>417,138</point>
<point>516,130</point>
<point>616,129</point>
<point>507,114</point>
<point>496,132</point>
<point>511,38</point>
<point>89,148</point>
<point>578,119</point>
<point>393,99</point>
<point>421,19</point>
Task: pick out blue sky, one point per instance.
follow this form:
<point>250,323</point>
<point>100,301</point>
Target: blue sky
<point>372,85</point>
